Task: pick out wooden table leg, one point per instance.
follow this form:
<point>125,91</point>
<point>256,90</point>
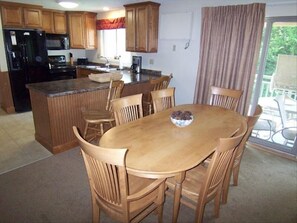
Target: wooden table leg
<point>177,194</point>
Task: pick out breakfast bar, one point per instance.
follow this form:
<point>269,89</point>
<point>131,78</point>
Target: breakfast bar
<point>57,106</point>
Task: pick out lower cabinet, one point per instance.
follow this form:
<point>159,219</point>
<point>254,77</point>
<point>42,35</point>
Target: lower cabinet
<point>84,72</point>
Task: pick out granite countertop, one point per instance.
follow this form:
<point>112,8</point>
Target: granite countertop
<point>80,85</point>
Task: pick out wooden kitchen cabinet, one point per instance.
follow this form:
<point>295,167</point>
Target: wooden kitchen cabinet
<point>16,15</point>
<point>82,30</point>
<point>54,22</point>
<point>142,22</point>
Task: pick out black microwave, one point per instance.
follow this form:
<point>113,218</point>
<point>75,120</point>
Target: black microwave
<point>57,41</point>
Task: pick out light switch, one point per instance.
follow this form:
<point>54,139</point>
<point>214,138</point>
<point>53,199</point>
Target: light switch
<point>151,61</point>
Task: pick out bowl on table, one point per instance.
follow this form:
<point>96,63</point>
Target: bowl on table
<point>181,119</point>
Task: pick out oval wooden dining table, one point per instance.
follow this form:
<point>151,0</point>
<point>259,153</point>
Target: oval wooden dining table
<point>159,149</point>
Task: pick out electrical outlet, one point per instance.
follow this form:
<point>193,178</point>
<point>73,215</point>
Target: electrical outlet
<point>173,47</point>
<point>151,61</point>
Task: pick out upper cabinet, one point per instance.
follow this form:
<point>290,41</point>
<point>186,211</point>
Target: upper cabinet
<point>82,30</point>
<point>15,15</point>
<point>142,21</point>
<point>54,21</point>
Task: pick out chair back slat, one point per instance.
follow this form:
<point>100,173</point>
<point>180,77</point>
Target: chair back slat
<point>251,121</point>
<point>219,163</point>
<point>226,98</point>
<point>123,197</point>
<point>159,83</point>
<point>104,168</point>
<point>237,155</point>
<point>127,109</point>
<point>115,91</point>
<point>105,180</point>
<point>163,99</point>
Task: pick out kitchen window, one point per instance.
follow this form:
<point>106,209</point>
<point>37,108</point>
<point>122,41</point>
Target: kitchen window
<point>113,45</point>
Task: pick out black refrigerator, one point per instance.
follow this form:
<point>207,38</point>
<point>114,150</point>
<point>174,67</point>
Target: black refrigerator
<point>27,62</point>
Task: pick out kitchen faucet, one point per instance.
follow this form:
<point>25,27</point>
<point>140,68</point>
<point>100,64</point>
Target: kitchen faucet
<point>107,62</point>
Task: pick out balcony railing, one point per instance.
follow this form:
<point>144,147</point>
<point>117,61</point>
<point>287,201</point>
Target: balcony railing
<point>271,117</point>
<point>267,92</point>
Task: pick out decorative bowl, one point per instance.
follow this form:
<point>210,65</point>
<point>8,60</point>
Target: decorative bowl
<point>181,123</point>
<point>181,119</point>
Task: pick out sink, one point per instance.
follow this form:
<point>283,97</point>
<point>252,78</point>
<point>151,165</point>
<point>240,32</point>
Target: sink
<point>105,69</point>
<point>91,67</point>
<point>100,68</point>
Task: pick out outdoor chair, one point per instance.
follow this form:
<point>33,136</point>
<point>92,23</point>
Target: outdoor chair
<point>284,78</point>
<point>265,125</point>
<point>288,128</point>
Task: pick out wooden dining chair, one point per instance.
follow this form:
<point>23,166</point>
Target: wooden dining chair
<point>123,197</point>
<point>204,183</point>
<point>237,156</point>
<point>127,109</point>
<point>95,119</point>
<point>156,84</point>
<point>163,99</point>
<point>224,97</point>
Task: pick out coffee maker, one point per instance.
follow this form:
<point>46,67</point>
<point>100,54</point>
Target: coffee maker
<point>136,64</point>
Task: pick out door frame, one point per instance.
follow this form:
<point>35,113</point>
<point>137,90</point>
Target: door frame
<point>258,83</point>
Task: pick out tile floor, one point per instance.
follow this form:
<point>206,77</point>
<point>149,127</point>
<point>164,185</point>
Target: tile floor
<point>17,144</point>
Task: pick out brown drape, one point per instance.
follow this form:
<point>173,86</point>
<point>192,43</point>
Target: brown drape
<point>229,49</point>
<point>116,23</point>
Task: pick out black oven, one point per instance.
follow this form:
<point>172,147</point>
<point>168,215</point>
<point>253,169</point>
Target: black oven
<point>59,69</point>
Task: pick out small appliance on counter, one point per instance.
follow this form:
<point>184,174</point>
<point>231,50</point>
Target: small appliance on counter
<point>82,61</point>
<point>136,64</point>
<point>71,59</point>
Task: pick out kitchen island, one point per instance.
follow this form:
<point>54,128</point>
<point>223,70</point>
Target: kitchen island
<point>57,106</point>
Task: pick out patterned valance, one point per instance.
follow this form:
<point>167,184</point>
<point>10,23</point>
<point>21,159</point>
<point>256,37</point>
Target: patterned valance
<point>116,23</point>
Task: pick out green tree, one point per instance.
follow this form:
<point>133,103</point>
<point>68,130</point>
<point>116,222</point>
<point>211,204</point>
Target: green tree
<point>283,41</point>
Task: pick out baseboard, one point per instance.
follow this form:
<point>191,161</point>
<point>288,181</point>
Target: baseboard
<point>272,151</point>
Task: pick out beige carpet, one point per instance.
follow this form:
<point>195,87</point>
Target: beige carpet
<point>56,190</point>
<point>17,144</point>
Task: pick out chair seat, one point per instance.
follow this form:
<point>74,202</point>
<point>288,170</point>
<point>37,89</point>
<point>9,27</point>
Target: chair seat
<point>95,116</point>
<point>265,125</point>
<point>192,183</point>
<point>290,133</point>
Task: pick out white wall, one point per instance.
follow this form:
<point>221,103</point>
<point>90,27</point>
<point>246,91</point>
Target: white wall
<point>3,63</point>
<point>76,53</point>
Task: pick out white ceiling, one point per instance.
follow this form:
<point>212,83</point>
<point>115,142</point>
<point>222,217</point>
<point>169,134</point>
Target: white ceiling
<point>84,5</point>
<point>97,5</point>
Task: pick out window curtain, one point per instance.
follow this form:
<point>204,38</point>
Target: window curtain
<point>229,48</point>
<point>116,23</point>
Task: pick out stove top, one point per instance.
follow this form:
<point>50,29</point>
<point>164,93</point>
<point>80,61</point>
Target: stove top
<point>60,66</point>
<point>58,62</point>
<point>57,59</point>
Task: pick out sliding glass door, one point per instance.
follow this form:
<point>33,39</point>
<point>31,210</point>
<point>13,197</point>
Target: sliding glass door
<point>276,86</point>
